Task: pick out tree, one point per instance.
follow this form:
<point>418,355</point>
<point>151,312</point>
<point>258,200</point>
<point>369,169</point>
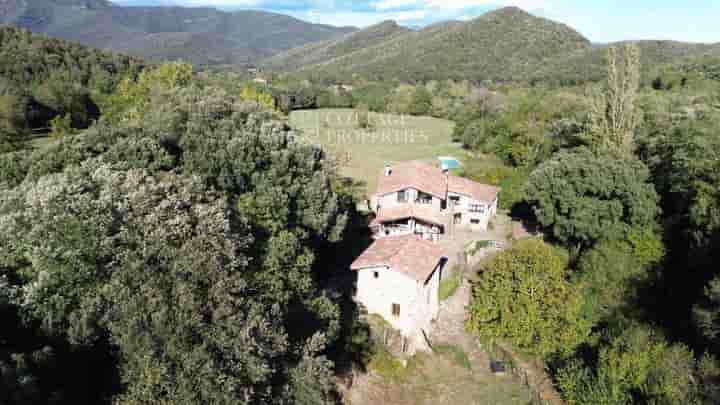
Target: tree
<point>13,125</point>
<point>581,197</point>
<point>253,94</point>
<point>421,102</point>
<point>523,295</point>
<point>132,98</point>
<point>707,313</point>
<point>636,365</point>
<point>609,273</point>
<point>613,114</point>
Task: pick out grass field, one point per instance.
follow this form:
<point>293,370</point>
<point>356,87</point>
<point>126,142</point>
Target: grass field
<point>390,138</point>
<point>445,377</point>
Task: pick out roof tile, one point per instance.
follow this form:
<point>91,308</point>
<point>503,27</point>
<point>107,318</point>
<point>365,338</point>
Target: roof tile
<point>415,174</point>
<point>403,211</point>
<point>410,255</point>
<point>478,191</point>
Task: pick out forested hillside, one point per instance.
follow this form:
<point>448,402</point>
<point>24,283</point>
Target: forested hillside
<point>42,79</point>
<point>325,51</point>
<point>505,45</point>
<point>589,64</point>
<point>198,35</point>
<point>485,48</point>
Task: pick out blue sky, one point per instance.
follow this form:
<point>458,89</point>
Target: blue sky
<point>599,20</point>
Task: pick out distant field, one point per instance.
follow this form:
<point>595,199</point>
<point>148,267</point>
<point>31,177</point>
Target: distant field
<point>391,138</point>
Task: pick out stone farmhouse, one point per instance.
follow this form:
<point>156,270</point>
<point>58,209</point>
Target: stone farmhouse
<point>399,275</point>
<point>398,278</point>
<point>418,198</point>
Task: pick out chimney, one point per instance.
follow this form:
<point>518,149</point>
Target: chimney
<point>388,170</point>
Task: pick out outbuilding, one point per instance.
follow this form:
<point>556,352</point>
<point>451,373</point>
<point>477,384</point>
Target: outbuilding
<point>398,279</point>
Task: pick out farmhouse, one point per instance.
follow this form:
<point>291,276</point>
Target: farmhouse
<point>418,198</point>
<point>398,279</point>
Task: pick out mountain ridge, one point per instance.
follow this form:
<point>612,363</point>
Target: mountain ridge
<point>199,35</point>
<point>486,47</point>
<point>507,44</point>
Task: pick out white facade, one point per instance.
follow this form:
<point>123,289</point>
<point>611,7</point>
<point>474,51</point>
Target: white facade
<point>411,196</point>
<point>469,212</point>
<point>458,209</point>
<point>407,304</point>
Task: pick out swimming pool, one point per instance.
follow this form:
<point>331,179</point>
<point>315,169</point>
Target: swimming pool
<point>448,163</point>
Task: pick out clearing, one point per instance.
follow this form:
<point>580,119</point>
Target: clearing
<point>363,152</point>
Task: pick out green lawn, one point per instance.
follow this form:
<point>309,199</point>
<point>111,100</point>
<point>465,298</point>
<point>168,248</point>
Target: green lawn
<point>391,138</point>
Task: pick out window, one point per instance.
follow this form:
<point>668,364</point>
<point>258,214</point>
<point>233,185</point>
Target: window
<point>376,274</point>
<point>475,221</point>
<point>424,198</point>
<point>396,310</point>
<point>402,196</point>
<point>454,200</point>
<point>477,208</point>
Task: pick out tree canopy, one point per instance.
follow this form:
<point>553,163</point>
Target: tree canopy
<point>581,197</point>
<point>523,295</point>
<point>181,246</point>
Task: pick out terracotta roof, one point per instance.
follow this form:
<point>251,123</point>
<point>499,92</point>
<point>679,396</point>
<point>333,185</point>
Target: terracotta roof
<point>478,191</point>
<point>421,212</point>
<point>430,179</point>
<point>420,175</point>
<point>410,255</point>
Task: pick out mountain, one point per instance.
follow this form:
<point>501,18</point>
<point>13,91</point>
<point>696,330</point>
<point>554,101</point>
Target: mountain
<point>199,35</point>
<point>507,44</point>
<point>322,51</point>
<point>491,46</point>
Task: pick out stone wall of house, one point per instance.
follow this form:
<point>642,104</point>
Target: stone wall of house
<point>378,288</point>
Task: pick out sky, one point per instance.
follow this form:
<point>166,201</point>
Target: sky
<point>598,20</point>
